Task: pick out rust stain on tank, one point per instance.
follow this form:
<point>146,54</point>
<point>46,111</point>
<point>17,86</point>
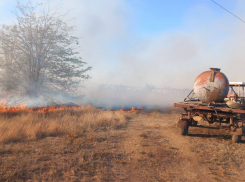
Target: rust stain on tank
<point>211,86</point>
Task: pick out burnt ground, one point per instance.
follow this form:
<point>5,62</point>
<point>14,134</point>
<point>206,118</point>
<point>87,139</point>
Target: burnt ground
<point>148,149</point>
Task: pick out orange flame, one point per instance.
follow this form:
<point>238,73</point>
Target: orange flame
<point>22,107</point>
<point>133,109</point>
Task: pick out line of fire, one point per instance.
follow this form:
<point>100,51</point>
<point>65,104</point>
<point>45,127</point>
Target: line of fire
<point>4,108</point>
<point>214,99</point>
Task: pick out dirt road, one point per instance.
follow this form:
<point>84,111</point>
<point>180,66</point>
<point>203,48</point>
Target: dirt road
<point>156,152</point>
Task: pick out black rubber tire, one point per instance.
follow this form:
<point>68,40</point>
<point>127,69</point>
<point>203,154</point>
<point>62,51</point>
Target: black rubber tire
<point>236,138</point>
<point>183,130</point>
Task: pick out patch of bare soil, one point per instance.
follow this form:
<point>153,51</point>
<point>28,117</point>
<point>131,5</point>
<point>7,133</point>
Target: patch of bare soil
<point>147,148</point>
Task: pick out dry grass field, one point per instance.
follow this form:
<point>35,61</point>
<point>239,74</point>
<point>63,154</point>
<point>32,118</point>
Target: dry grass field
<point>88,144</point>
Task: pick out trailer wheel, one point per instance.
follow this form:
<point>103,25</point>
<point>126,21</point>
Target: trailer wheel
<point>236,138</point>
<point>183,131</point>
<point>183,127</point>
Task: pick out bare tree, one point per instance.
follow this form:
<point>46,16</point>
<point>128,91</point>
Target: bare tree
<point>38,53</point>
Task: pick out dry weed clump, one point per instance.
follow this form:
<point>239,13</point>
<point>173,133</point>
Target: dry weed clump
<point>69,121</point>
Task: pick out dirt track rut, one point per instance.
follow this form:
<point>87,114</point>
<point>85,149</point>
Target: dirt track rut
<point>156,152</point>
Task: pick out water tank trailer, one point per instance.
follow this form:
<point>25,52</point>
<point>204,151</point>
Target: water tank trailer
<point>208,99</point>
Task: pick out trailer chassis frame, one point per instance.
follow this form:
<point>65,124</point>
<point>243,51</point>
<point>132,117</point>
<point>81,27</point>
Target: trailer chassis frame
<point>212,113</point>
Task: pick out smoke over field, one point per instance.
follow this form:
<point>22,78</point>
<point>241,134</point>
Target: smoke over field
<point>87,89</point>
<point>125,97</point>
<point>114,97</point>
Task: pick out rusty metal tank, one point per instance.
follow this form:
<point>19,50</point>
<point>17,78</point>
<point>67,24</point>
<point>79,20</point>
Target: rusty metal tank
<point>211,86</point>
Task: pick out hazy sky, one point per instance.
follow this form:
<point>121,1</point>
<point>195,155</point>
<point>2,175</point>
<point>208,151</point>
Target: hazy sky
<point>161,42</point>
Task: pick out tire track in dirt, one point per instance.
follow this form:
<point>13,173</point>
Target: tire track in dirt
<point>154,151</point>
<point>190,166</point>
<point>171,160</point>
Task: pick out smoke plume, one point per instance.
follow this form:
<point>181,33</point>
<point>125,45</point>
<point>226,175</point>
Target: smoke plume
<point>124,61</point>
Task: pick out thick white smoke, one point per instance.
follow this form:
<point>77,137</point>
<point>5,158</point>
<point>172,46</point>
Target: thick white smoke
<point>172,58</point>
